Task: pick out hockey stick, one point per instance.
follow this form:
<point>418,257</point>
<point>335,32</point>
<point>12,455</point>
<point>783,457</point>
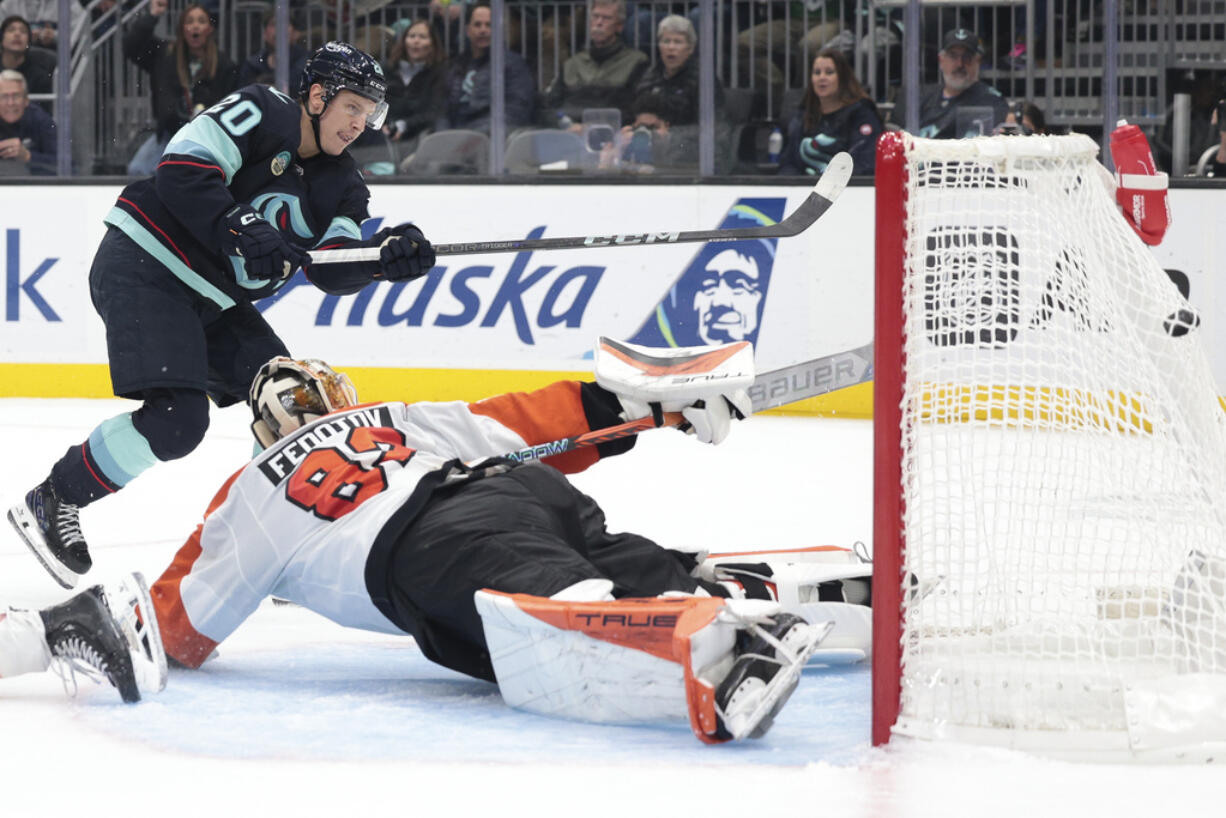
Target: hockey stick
<point>772,389</point>
<point>811,209</point>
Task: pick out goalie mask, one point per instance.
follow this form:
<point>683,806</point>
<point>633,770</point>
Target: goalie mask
<point>287,395</point>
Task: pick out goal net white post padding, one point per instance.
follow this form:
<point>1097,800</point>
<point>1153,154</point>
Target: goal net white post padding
<point>1050,464</point>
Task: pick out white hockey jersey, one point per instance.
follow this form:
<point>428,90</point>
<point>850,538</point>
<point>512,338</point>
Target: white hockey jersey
<point>299,521</point>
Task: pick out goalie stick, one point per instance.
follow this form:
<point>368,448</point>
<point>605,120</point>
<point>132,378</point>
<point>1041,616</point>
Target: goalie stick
<point>770,390</point>
<point>827,189</point>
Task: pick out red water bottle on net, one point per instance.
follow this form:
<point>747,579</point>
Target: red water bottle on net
<point>1140,186</point>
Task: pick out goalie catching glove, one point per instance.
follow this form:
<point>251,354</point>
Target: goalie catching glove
<point>265,253</point>
<point>706,384</point>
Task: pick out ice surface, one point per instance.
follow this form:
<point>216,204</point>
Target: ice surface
<point>300,716</point>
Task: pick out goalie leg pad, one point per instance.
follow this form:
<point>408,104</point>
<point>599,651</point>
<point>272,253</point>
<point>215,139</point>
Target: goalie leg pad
<point>820,584</point>
<point>630,660</point>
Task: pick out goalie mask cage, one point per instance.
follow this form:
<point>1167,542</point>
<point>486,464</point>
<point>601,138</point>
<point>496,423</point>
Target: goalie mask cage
<point>1050,464</point>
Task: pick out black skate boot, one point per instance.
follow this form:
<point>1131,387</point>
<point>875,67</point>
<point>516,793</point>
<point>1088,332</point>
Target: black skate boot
<point>82,634</point>
<point>52,530</point>
<point>766,670</point>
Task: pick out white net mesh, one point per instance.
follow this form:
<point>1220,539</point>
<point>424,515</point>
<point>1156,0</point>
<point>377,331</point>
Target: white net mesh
<point>1064,462</point>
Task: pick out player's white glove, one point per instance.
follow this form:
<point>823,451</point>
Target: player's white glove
<point>708,419</point>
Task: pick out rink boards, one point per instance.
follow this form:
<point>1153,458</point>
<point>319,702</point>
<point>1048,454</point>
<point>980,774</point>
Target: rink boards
<point>484,324</point>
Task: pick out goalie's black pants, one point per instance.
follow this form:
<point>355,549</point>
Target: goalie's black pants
<point>525,531</point>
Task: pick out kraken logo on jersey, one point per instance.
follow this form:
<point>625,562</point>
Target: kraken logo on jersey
<point>720,295</point>
<point>283,211</point>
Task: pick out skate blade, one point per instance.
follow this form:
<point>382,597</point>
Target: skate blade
<point>23,521</point>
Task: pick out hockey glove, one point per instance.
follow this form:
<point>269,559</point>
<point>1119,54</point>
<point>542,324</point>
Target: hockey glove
<point>406,254</point>
<point>709,420</point>
<point>266,255</point>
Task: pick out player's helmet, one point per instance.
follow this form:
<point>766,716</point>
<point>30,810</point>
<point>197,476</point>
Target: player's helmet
<point>287,395</point>
<point>341,67</point>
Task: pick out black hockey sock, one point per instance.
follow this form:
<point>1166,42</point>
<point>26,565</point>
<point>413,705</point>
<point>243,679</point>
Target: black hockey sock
<point>78,479</point>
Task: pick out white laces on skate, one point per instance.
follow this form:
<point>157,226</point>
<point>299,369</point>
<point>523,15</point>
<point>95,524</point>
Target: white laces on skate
<point>75,655</point>
<point>68,525</point>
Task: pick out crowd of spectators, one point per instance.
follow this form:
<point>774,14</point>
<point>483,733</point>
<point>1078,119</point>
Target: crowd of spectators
<point>633,110</point>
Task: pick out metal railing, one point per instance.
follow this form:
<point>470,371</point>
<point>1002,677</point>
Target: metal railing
<point>1083,62</point>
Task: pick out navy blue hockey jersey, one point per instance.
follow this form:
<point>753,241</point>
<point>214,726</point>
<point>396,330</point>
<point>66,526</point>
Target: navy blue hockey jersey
<point>244,150</point>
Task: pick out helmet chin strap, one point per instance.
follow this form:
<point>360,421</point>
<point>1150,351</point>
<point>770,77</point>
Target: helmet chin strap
<point>315,129</point>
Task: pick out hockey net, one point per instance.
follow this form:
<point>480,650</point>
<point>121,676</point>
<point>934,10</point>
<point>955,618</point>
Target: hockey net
<point>1050,521</point>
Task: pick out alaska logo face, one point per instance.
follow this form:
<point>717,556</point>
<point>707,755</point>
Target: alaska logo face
<point>720,295</point>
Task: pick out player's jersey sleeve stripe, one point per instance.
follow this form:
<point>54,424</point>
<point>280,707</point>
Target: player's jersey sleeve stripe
<point>548,414</point>
<point>341,227</point>
<point>149,243</point>
<point>205,139</point>
<point>120,451</point>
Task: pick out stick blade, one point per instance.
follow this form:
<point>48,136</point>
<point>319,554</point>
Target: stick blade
<point>834,178</point>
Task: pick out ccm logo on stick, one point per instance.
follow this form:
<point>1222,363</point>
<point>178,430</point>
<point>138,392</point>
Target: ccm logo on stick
<point>630,238</point>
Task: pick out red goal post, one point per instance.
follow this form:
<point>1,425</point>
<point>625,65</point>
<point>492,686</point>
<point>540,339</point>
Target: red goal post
<point>1050,464</point>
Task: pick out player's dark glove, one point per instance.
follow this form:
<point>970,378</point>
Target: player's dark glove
<point>266,254</point>
<point>406,254</point>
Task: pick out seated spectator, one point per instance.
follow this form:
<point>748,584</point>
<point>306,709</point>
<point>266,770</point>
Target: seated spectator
<point>42,18</point>
<point>767,46</point>
<point>1204,91</point>
<point>1217,165</point>
<point>674,77</point>
<point>416,82</point>
<point>960,89</point>
<point>1033,120</point>
<point>187,75</point>
<point>652,141</point>
<point>835,115</point>
<point>27,133</point>
<point>603,76</point>
<point>262,66</point>
<point>37,65</point>
<point>468,82</point>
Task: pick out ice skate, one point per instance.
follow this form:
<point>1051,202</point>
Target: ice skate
<point>52,530</point>
<point>84,638</point>
<point>822,584</point>
<point>765,672</point>
<point>131,608</point>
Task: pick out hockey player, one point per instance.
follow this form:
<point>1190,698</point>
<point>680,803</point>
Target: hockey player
<point>241,193</point>
<point>401,519</point>
<point>104,632</point>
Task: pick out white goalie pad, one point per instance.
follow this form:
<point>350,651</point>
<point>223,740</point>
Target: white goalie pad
<point>634,661</point>
<point>672,375</point>
<point>546,663</point>
<point>821,584</point>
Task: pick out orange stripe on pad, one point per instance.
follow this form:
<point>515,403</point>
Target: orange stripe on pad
<point>681,366</point>
<point>659,626</point>
<point>816,549</point>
